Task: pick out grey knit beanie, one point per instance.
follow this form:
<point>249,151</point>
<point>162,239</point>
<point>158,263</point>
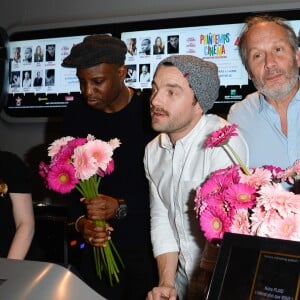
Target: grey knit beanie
<point>202,76</point>
<point>96,49</point>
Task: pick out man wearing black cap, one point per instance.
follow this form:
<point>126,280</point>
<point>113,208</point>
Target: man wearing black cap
<point>176,162</point>
<point>108,109</point>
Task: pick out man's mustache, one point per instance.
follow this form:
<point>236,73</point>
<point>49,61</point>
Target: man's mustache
<point>158,110</point>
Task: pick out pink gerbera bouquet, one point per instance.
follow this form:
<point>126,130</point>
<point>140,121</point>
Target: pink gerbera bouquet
<point>245,200</point>
<point>81,163</point>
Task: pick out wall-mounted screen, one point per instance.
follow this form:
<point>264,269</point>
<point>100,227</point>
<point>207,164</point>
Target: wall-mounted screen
<point>216,43</point>
<point>39,87</point>
<point>37,82</point>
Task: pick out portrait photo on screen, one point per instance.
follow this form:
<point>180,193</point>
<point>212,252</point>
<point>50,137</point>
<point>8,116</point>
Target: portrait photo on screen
<point>38,80</point>
<point>38,54</point>
<point>16,58</point>
<point>173,44</point>
<point>15,80</point>
<point>131,75</point>
<point>131,46</point>
<point>145,46</point>
<point>27,80</point>
<point>50,52</point>
<point>27,56</point>
<point>158,46</point>
<point>145,73</point>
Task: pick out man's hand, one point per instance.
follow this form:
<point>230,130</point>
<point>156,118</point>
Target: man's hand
<point>162,293</point>
<point>94,235</point>
<point>101,208</point>
<point>167,265</point>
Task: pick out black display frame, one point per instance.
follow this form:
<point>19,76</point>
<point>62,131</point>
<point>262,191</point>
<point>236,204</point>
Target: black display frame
<point>236,267</point>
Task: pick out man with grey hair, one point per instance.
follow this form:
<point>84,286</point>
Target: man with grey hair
<point>176,162</point>
<point>269,118</point>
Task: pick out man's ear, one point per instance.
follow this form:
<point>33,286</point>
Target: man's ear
<point>122,72</point>
<point>298,58</point>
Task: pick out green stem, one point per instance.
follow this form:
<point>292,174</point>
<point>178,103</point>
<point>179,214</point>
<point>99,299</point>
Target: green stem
<point>104,256</point>
<point>117,254</point>
<point>105,260</point>
<point>244,168</point>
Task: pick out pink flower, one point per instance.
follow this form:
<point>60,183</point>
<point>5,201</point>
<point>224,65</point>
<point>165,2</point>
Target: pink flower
<point>210,192</point>
<point>73,144</point>
<point>240,195</point>
<point>296,166</point>
<point>85,165</point>
<point>220,137</point>
<point>275,226</point>
<point>64,156</point>
<point>276,171</point>
<point>56,146</point>
<point>232,171</point>
<point>110,168</point>
<point>273,196</point>
<point>287,228</point>
<point>240,222</point>
<point>292,173</point>
<point>81,158</point>
<point>219,181</point>
<point>257,177</point>
<point>100,151</point>
<point>256,217</point>
<point>212,186</point>
<point>214,222</point>
<point>43,169</point>
<point>90,137</point>
<point>61,178</point>
<point>114,143</point>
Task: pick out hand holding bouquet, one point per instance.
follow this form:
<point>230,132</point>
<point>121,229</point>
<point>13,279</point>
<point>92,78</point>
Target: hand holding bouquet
<point>81,163</point>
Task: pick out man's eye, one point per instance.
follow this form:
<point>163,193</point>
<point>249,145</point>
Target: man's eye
<point>171,93</point>
<point>257,55</point>
<point>153,92</point>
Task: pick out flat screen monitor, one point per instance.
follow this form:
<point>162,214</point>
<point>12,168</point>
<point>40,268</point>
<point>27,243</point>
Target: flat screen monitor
<point>215,43</point>
<point>38,85</point>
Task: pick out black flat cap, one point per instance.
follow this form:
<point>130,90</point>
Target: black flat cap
<point>94,50</point>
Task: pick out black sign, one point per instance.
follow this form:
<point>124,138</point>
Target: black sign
<point>256,268</point>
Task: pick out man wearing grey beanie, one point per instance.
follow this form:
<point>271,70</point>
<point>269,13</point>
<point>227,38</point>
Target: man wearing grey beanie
<point>184,88</point>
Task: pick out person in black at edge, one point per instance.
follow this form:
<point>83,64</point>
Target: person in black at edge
<point>109,110</point>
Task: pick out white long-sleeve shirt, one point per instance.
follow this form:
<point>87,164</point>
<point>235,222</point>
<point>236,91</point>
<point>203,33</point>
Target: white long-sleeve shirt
<point>174,173</point>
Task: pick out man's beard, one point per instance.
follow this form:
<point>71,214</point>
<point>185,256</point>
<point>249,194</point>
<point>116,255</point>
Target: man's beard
<point>276,93</point>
